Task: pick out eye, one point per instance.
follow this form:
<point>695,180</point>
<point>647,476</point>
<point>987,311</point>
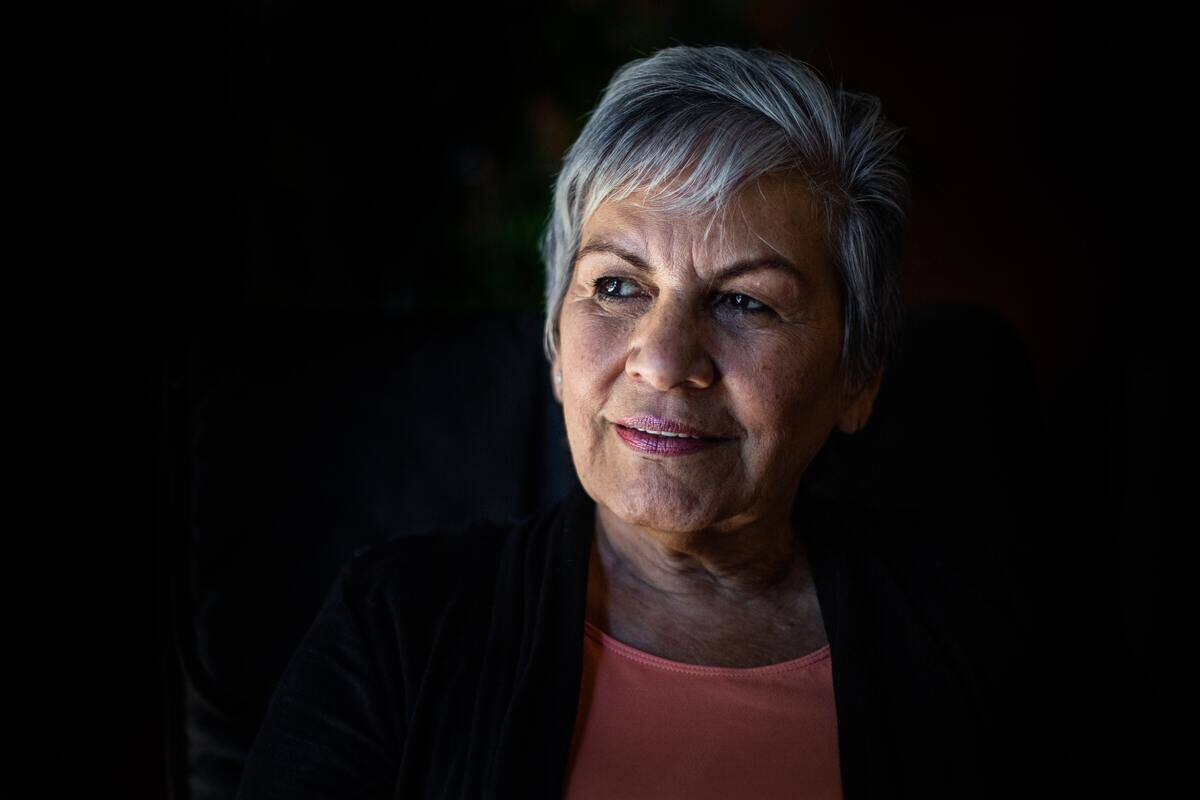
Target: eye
<point>620,289</point>
<point>744,302</point>
<point>609,288</point>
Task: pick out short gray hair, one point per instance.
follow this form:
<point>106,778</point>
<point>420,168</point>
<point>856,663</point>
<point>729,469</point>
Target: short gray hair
<point>725,117</point>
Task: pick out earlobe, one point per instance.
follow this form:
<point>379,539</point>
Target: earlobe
<point>854,416</point>
<point>556,381</point>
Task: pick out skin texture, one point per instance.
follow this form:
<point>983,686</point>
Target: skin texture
<point>695,558</point>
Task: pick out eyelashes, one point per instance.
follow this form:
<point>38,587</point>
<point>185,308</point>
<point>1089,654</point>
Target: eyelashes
<point>603,286</point>
<point>603,289</point>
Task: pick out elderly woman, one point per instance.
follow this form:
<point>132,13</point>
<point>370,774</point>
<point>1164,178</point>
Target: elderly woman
<point>721,294</point>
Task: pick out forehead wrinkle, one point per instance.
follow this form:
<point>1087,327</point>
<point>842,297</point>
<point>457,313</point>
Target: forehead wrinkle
<point>650,236</point>
<point>656,232</point>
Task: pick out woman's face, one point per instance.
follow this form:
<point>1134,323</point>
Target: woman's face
<point>736,336</point>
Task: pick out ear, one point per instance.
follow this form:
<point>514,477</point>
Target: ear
<point>855,415</point>
<point>555,381</point>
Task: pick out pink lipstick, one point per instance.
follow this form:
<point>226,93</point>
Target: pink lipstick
<point>658,436</point>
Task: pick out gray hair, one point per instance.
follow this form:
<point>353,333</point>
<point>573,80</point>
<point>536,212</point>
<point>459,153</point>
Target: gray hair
<point>692,126</point>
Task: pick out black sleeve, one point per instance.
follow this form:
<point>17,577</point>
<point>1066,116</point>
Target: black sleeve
<point>327,733</point>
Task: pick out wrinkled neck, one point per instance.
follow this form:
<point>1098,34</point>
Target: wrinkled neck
<point>757,561</point>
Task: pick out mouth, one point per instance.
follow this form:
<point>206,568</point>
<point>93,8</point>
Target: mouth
<point>664,442</point>
<point>659,426</point>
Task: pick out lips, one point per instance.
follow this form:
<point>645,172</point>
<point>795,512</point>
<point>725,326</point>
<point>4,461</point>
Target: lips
<point>655,444</point>
<point>660,426</point>
<point>658,436</point>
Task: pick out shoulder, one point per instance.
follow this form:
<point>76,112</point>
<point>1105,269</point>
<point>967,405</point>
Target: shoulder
<point>420,572</point>
<point>423,573</point>
<point>920,540</point>
<point>954,570</point>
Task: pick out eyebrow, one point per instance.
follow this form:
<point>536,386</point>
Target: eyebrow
<point>731,271</point>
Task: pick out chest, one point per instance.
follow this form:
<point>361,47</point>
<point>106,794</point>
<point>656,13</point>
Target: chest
<point>731,733</point>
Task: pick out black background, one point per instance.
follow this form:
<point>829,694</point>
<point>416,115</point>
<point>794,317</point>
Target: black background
<point>396,158</point>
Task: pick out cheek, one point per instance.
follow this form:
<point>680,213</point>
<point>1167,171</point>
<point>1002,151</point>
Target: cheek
<point>593,345</point>
<point>779,387</point>
<point>591,349</point>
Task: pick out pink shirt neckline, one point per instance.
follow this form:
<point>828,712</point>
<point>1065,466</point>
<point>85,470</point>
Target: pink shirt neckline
<point>641,657</point>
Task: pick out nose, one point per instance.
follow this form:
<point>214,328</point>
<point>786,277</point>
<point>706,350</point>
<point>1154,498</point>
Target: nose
<point>668,350</point>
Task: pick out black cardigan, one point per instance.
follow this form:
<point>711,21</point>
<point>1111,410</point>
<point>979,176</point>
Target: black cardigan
<point>449,665</point>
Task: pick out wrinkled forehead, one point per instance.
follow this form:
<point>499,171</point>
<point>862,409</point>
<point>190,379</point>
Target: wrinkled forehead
<point>774,213</point>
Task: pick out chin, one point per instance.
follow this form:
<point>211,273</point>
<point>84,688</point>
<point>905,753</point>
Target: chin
<point>664,506</point>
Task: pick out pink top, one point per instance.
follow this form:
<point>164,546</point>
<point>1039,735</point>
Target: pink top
<point>652,728</point>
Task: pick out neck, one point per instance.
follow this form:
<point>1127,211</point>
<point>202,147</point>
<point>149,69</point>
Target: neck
<point>757,560</point>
